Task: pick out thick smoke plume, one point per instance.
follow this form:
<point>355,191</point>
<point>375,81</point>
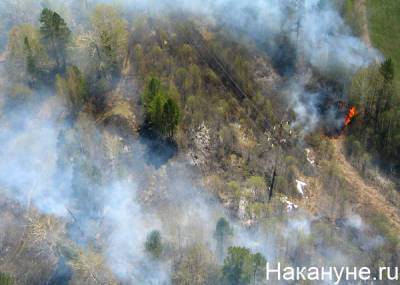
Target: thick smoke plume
<point>314,31</point>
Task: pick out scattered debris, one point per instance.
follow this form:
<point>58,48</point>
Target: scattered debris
<point>201,140</point>
<point>290,206</point>
<point>242,208</point>
<point>310,156</point>
<point>300,186</point>
<point>249,223</point>
<point>247,219</point>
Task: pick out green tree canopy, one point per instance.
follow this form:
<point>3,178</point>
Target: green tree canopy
<point>153,244</point>
<point>111,37</point>
<point>6,279</point>
<point>73,88</point>
<point>222,231</point>
<point>55,36</point>
<point>241,266</point>
<point>27,55</point>
<point>373,92</point>
<point>152,89</point>
<point>387,70</point>
<point>162,112</point>
<point>196,267</point>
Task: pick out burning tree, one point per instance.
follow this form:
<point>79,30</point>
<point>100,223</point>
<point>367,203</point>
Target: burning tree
<point>350,115</point>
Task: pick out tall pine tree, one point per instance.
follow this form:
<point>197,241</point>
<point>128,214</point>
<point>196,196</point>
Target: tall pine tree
<point>55,36</point>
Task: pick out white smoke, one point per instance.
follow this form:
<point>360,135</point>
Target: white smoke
<point>319,36</point>
<point>316,28</point>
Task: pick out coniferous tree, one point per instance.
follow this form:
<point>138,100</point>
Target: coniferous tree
<point>153,88</point>
<point>162,111</point>
<point>259,268</point>
<point>170,117</point>
<point>221,234</point>
<point>153,244</point>
<point>241,266</point>
<point>387,70</point>
<point>373,92</point>
<point>30,61</point>
<point>55,36</point>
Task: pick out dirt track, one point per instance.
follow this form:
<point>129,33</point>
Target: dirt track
<point>369,198</point>
<point>361,7</point>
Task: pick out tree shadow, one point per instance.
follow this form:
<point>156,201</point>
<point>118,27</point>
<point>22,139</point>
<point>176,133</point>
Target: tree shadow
<point>62,274</point>
<point>159,150</point>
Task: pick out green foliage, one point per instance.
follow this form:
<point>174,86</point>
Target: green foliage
<point>151,91</point>
<point>153,244</point>
<point>222,232</point>
<point>111,37</point>
<point>234,192</point>
<point>237,269</point>
<point>27,56</point>
<point>30,59</point>
<point>195,74</point>
<point>162,111</point>
<point>170,118</point>
<point>387,70</point>
<point>77,86</point>
<point>73,88</point>
<point>211,77</point>
<point>55,36</point>
<point>383,24</point>
<point>257,185</point>
<point>377,125</point>
<point>241,266</point>
<point>186,54</point>
<point>196,267</point>
<point>259,263</point>
<point>155,110</point>
<point>6,279</point>
<point>222,228</point>
<point>139,59</point>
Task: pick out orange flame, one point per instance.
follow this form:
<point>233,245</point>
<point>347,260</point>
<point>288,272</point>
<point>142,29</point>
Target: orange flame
<point>350,115</point>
